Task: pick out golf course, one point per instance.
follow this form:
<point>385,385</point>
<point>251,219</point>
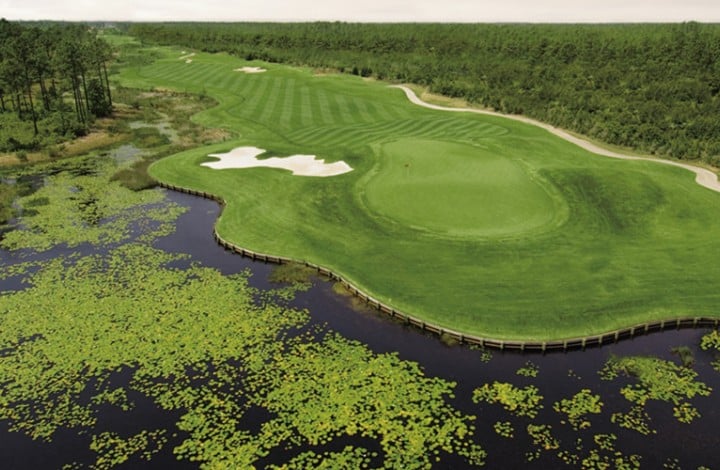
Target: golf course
<point>476,223</point>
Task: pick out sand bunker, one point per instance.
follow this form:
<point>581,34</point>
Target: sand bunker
<point>186,57</point>
<point>301,165</point>
<point>251,70</point>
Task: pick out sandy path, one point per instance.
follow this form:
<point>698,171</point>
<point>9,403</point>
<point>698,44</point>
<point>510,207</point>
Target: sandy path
<point>703,177</point>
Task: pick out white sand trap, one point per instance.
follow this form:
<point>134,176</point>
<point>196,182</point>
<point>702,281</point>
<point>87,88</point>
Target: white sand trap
<point>301,165</point>
<point>251,70</point>
<point>185,57</point>
<point>188,61</point>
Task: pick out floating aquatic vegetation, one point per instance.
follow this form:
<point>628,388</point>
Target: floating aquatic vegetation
<point>605,456</point>
<point>687,358</point>
<point>636,419</point>
<point>657,379</point>
<point>198,342</point>
<point>349,457</point>
<point>113,450</point>
<point>518,401</point>
<point>573,374</point>
<point>88,208</point>
<point>16,269</point>
<point>504,429</point>
<point>292,273</point>
<point>485,354</point>
<point>529,370</point>
<point>685,412</point>
<point>578,407</point>
<point>542,439</point>
<point>711,342</point>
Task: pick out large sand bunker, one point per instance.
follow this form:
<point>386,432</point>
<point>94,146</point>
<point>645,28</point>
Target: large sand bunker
<point>251,70</point>
<point>301,165</point>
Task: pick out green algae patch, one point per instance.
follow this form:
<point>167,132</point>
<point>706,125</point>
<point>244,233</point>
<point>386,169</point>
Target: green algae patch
<point>542,439</point>
<point>530,369</point>
<point>504,429</point>
<point>636,419</point>
<point>197,341</point>
<point>657,379</point>
<point>113,450</point>
<point>75,209</point>
<point>578,407</point>
<point>518,401</point>
<point>349,457</point>
<point>711,342</point>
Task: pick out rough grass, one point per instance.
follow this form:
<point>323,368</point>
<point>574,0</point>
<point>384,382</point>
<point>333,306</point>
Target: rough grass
<point>631,242</point>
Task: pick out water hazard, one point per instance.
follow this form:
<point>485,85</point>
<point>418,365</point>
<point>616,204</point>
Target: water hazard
<point>556,376</point>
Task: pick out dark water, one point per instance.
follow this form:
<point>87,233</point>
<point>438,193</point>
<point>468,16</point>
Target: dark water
<point>690,445</point>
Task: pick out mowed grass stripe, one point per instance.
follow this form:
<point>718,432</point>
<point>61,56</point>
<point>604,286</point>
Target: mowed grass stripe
<point>269,112</point>
<point>324,111</point>
<point>256,99</point>
<point>306,110</point>
<point>346,111</point>
<point>363,110</point>
<point>337,136</point>
<point>229,80</point>
<point>196,74</point>
<point>290,116</point>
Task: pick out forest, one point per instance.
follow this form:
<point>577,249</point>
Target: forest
<point>651,87</point>
<point>53,83</point>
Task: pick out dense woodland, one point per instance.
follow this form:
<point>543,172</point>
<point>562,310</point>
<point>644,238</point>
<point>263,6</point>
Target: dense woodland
<point>652,87</point>
<point>53,83</point>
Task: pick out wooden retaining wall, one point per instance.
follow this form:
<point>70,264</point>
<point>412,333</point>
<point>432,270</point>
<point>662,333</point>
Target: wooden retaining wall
<point>542,346</point>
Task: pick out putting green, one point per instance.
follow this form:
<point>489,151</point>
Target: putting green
<point>495,228</point>
<point>456,190</point>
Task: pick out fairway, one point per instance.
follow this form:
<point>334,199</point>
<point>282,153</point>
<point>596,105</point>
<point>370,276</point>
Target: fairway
<point>476,223</point>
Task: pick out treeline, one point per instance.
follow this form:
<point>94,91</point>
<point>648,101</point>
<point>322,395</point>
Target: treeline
<point>652,87</point>
<point>53,82</point>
